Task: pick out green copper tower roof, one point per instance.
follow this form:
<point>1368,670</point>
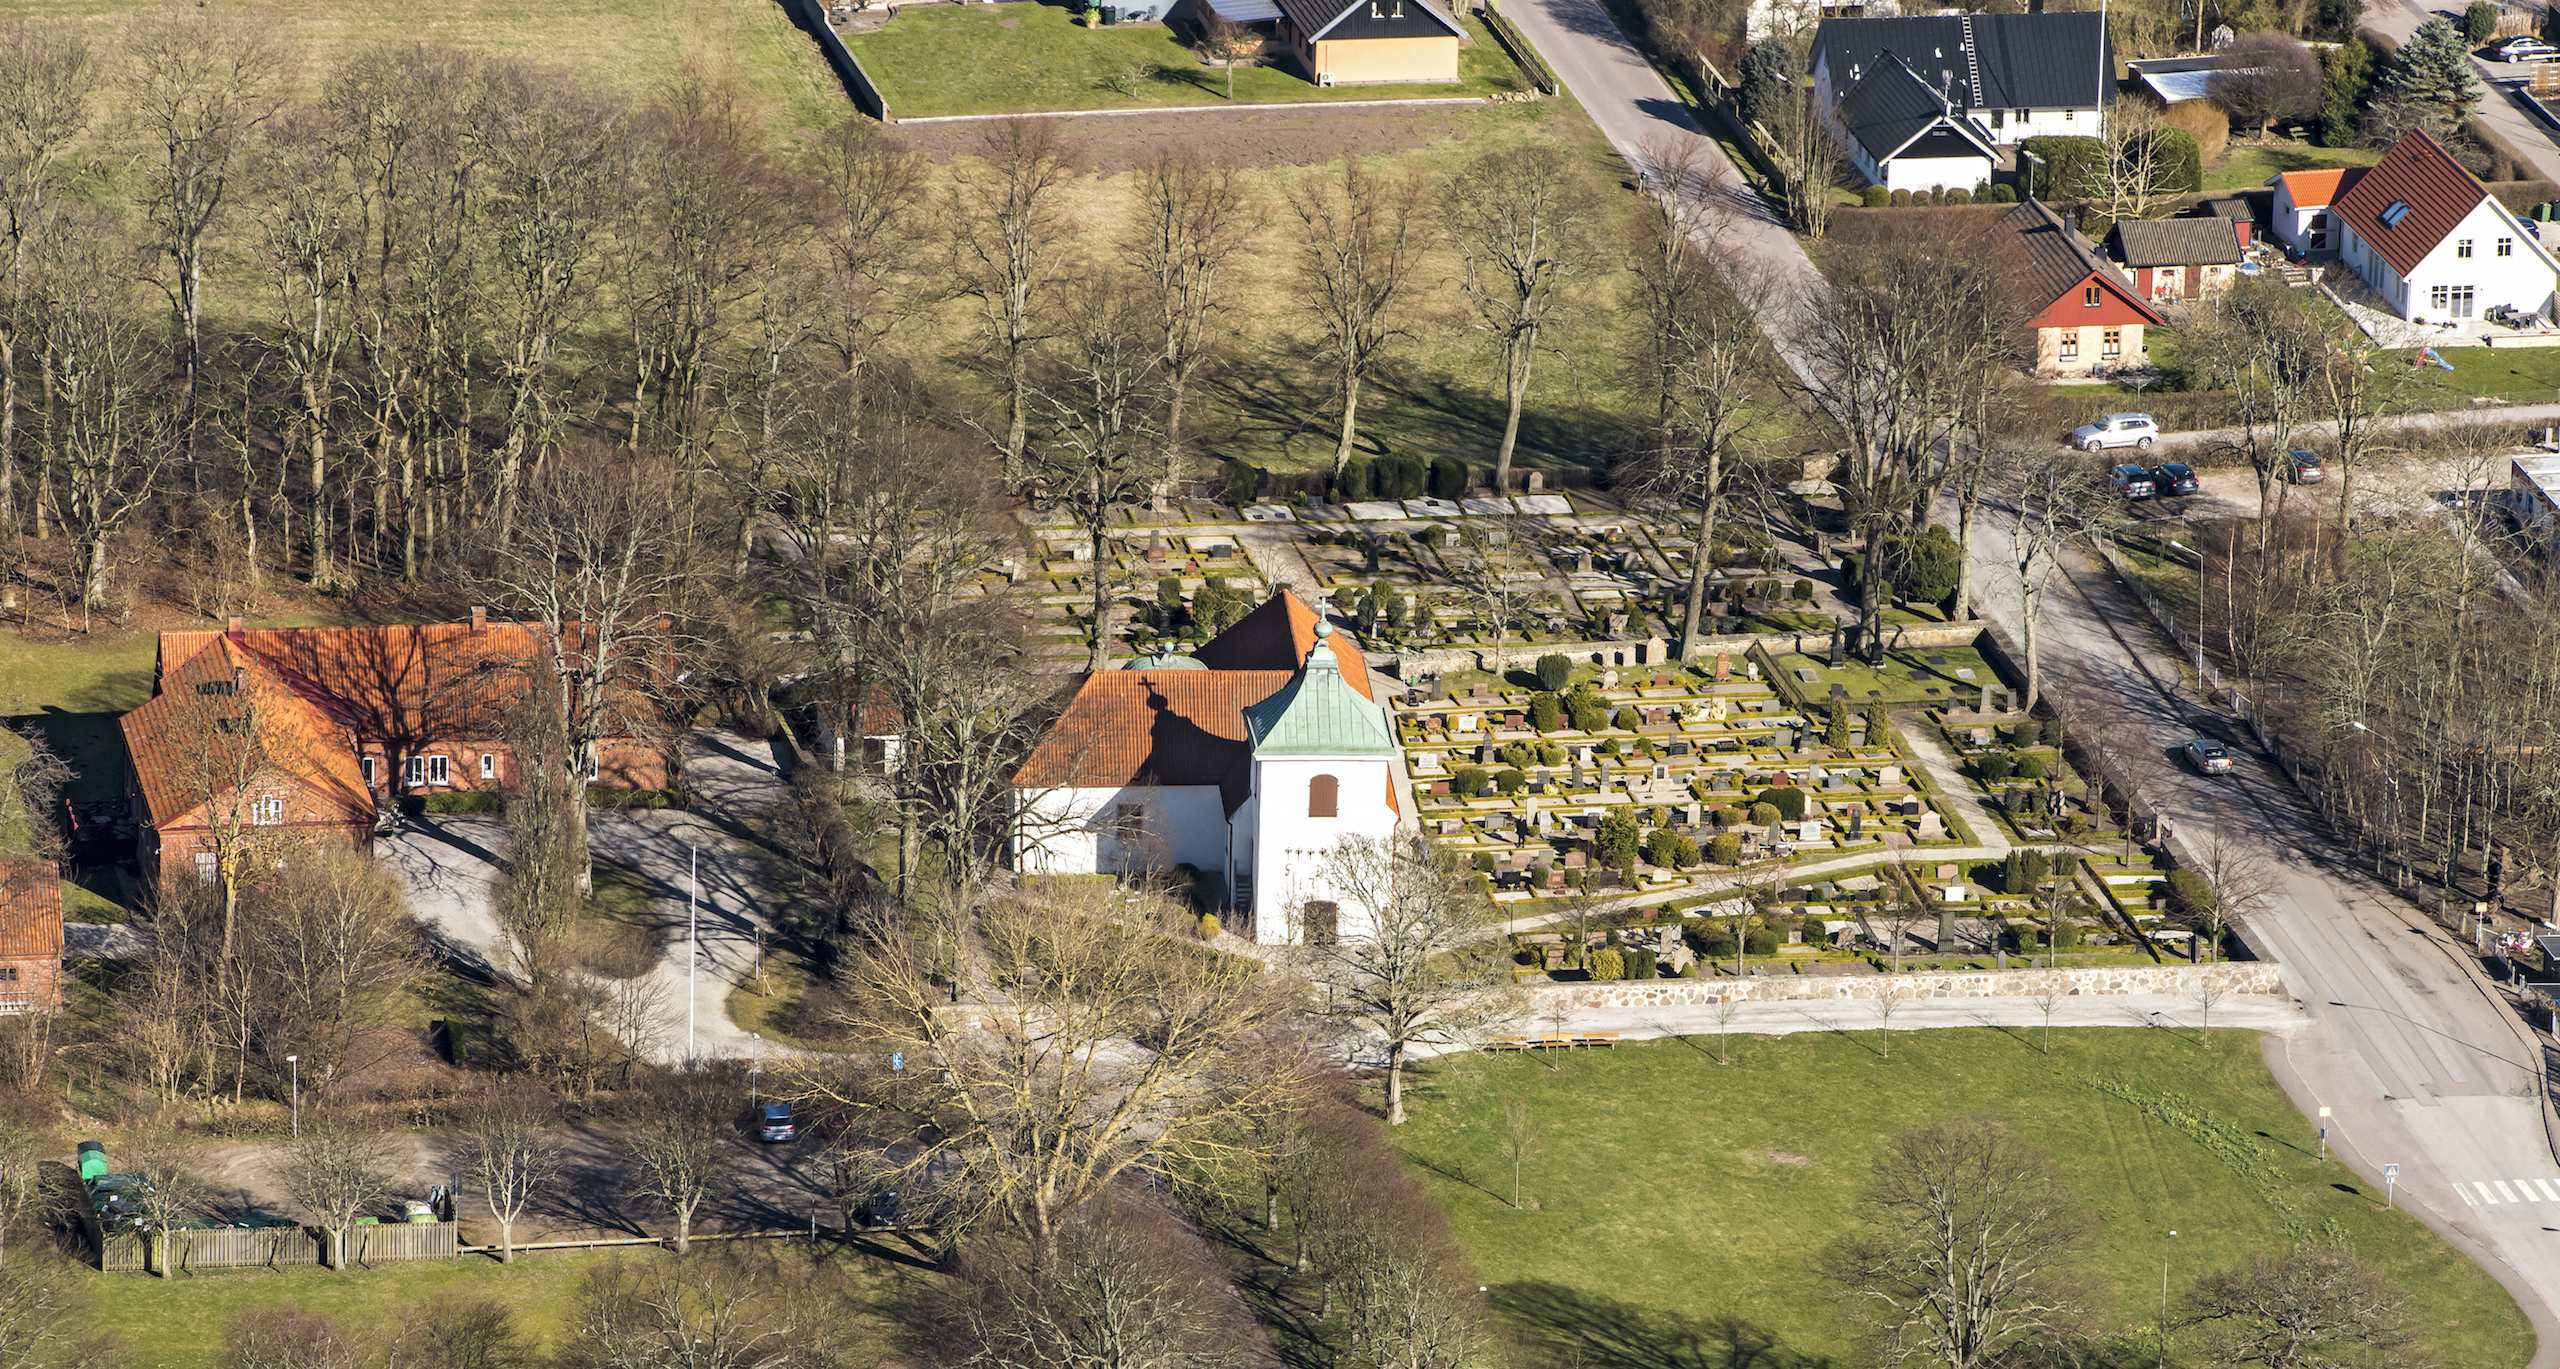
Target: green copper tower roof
<point>1319,713</point>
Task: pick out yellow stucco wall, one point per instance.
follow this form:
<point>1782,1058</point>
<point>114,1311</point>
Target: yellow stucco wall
<point>1375,60</point>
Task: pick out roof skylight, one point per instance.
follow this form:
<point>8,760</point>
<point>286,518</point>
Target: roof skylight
<point>2394,213</point>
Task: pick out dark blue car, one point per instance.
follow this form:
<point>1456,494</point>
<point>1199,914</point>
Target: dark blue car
<point>2173,478</point>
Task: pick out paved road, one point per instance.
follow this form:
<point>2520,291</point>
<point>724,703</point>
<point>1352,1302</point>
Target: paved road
<point>449,863</point>
<point>1651,128</point>
<point>2425,1066</point>
<point>2526,134</point>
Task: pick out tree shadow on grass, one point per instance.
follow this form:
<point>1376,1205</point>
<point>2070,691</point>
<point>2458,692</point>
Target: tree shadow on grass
<point>1568,1326</point>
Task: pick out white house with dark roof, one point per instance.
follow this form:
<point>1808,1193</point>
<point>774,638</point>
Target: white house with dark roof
<point>1247,761</point>
<point>2003,77</point>
<point>1903,135</point>
<point>2433,242</point>
<point>1364,42</point>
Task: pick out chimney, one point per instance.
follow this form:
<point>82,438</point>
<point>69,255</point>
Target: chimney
<point>232,628</point>
<point>479,620</point>
<point>2071,222</point>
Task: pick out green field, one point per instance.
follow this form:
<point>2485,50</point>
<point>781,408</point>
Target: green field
<point>632,47</point>
<point>1674,1195</point>
<point>1894,680</point>
<point>2248,166</point>
<point>994,59</point>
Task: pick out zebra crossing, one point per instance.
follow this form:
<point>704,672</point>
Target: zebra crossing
<point>2499,1192</point>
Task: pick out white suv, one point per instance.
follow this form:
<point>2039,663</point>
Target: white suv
<point>2116,430</point>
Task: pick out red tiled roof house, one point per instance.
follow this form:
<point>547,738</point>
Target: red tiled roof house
<point>2431,240</point>
<point>309,732</point>
<point>2302,206</point>
<point>30,935</point>
<point>1247,760</point>
<point>2088,316</point>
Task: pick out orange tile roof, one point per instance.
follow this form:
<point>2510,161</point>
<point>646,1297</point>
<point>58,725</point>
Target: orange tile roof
<point>400,683</point>
<point>1172,727</point>
<point>30,910</point>
<point>2418,172</point>
<point>2316,189</point>
<point>1278,636</point>
<point>176,738</point>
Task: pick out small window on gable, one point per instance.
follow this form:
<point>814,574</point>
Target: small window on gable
<point>266,811</point>
<point>2462,247</point>
<point>1376,10</point>
<point>2393,213</point>
<point>1398,12</point>
<point>1324,797</point>
<point>2506,247</point>
<point>488,766</point>
<point>2091,296</point>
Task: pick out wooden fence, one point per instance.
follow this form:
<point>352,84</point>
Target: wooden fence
<point>277,1247</point>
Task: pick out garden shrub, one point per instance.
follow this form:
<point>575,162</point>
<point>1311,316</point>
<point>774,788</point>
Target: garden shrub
<point>1555,672</point>
<point>1900,198</point>
<point>1789,802</point>
<point>1241,480</point>
<point>2180,159</point>
<point>2001,194</point>
<point>1725,850</point>
<point>1608,963</point>
<point>1835,732</point>
<point>1922,199</point>
<point>2053,732</point>
<point>2193,896</point>
<point>1355,481</point>
<point>1590,711</point>
<point>1877,197</point>
<point>1484,863</point>
<point>1618,837</point>
<point>1994,767</point>
<point>1763,814</point>
<point>1510,782</point>
<point>1641,963</point>
<point>2479,21</point>
<point>1670,850</point>
<point>474,801</point>
<point>2013,874</point>
<point>2066,934</point>
<point>1713,943</point>
<point>1449,478</point>
<point>1731,815</point>
<point>597,797</point>
<point>1401,477</point>
<point>1467,783</point>
<point>1762,941</point>
<point>1803,591</point>
<point>1609,749</point>
<point>1545,710</point>
<point>1959,197</point>
<point>2031,767</point>
<point>2073,167</point>
<point>1550,753</point>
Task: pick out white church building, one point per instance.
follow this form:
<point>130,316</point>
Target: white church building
<point>1247,761</point>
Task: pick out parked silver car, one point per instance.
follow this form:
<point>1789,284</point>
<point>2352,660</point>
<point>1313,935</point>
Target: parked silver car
<point>2116,430</point>
<point>2208,756</point>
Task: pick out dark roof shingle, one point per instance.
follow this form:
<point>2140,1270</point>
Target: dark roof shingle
<point>2021,61</point>
<point>2177,242</point>
<point>1892,106</point>
<point>2050,260</point>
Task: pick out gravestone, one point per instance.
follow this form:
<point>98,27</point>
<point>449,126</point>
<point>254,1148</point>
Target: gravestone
<point>1839,658</point>
<point>1809,831</point>
<point>1653,655</point>
<point>1857,823</point>
<point>1577,770</point>
<point>1947,872</point>
<point>1889,777</point>
<point>1724,667</point>
<point>1537,481</point>
<point>1697,813</point>
<point>1463,722</point>
<point>1484,753</point>
<point>1808,675</point>
<point>1661,771</point>
<point>1617,625</point>
<point>1608,679</point>
<point>1582,561</point>
<point>1931,828</point>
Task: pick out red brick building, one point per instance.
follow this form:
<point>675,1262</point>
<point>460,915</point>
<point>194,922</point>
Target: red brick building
<point>30,935</point>
<point>310,732</point>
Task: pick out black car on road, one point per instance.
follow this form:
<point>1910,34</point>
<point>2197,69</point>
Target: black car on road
<point>2133,482</point>
<point>2173,478</point>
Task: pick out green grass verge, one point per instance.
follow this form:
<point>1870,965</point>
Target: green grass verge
<point>1938,666</point>
<point>2523,375</point>
<point>1675,1193</point>
<point>996,59</point>
<point>2248,166</point>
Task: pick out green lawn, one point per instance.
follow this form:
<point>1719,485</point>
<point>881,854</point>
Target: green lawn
<point>2524,375</point>
<point>1674,1194</point>
<point>994,59</point>
<point>1938,664</point>
<point>2248,166</point>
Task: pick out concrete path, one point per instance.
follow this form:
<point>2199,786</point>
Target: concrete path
<point>450,865</point>
<point>2426,1066</point>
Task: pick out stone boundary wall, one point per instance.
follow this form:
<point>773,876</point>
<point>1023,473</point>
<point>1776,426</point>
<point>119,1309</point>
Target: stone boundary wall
<point>1630,654</point>
<point>2233,977</point>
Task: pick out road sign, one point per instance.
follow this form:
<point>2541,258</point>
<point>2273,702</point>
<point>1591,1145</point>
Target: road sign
<point>898,1061</point>
<point>2391,1185</point>
<point>2324,1133</point>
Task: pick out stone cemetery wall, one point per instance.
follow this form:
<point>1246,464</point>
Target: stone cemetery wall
<point>2233,977</point>
<point>1412,665</point>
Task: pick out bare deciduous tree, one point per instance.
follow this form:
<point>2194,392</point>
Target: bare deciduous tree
<point>1519,1139</point>
<point>49,79</point>
<point>1100,407</point>
<point>1521,220</point>
<point>336,1171</point>
<point>2314,1308</point>
<point>679,1143</point>
<point>1195,215</point>
<point>2265,78</point>
<point>1230,45</point>
<point>1357,246</point>
<point>170,1186</point>
<point>508,1150</point>
<point>1129,1285</point>
<point>1964,1251</point>
<point>1008,250</point>
<point>1417,962</point>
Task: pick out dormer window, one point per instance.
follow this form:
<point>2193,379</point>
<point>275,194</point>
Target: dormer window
<point>2394,213</point>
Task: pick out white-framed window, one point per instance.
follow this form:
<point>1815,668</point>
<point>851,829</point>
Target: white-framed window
<point>2111,344</point>
<point>2070,344</point>
<point>488,766</point>
<point>2454,300</point>
<point>207,868</point>
<point>2462,247</point>
<point>366,763</point>
<point>413,771</point>
<point>439,770</point>
<point>2506,247</point>
<point>266,810</point>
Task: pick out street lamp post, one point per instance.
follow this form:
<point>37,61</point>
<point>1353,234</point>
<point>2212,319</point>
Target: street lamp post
<point>2164,1303</point>
<point>296,1062</point>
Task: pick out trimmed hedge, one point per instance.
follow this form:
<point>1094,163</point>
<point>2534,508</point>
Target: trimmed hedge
<point>599,797</point>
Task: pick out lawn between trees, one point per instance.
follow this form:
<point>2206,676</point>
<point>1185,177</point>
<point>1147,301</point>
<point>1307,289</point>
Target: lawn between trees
<point>1668,1198</point>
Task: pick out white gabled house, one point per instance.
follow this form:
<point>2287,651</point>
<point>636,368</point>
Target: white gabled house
<point>2003,77</point>
<point>1904,135</point>
<point>2431,240</point>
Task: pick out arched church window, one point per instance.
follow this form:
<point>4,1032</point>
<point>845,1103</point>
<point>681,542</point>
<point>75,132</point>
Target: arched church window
<point>1324,796</point>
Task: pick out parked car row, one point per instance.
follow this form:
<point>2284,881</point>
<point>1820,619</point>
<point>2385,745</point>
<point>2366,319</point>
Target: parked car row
<point>2158,482</point>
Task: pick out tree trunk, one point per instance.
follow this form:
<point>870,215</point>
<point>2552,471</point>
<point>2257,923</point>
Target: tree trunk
<point>1520,353</point>
<point>1395,1084</point>
<point>1698,559</point>
<point>2027,620</point>
<point>1101,654</point>
<point>1350,423</point>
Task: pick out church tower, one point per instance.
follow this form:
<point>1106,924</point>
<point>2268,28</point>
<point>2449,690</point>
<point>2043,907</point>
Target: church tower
<point>1323,769</point>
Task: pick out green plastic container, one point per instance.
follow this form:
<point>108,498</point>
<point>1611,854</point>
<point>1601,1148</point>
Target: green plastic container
<point>93,1162</point>
<point>368,1221</point>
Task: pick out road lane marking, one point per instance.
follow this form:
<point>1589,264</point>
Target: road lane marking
<point>2485,1195</point>
<point>2504,1191</point>
<point>2525,1187</point>
<point>2465,1197</point>
<point>2547,1190</point>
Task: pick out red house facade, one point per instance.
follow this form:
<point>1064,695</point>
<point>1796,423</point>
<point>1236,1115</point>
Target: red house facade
<point>2088,318</point>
